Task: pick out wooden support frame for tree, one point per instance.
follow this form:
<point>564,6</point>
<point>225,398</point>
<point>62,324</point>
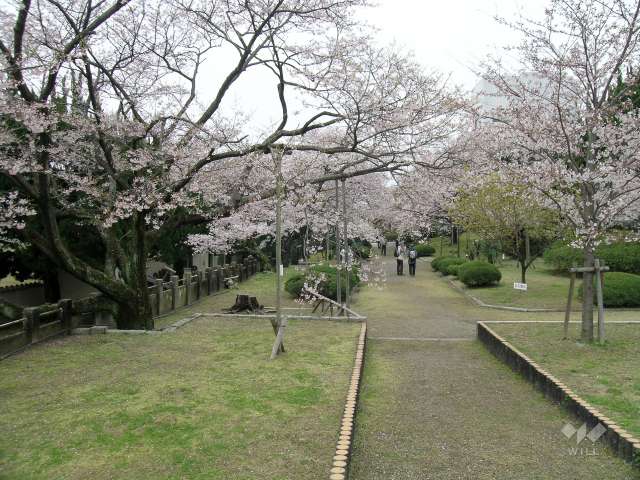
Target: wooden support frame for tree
<point>598,269</point>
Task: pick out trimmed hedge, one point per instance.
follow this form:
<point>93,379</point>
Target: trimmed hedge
<point>620,257</point>
<point>453,269</point>
<point>620,290</point>
<point>443,265</point>
<point>478,274</point>
<point>425,250</point>
<point>328,287</point>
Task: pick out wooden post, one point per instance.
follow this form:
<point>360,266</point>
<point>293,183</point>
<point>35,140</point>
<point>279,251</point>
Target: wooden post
<point>207,277</point>
<point>65,313</point>
<point>174,291</point>
<point>599,273</point>
<point>31,323</point>
<point>186,282</point>
<point>158,290</point>
<point>567,314</point>
<point>278,345</point>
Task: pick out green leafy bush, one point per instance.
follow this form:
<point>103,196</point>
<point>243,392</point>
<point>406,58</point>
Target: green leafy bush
<point>361,250</point>
<point>478,274</point>
<point>435,264</point>
<point>453,269</point>
<point>620,257</point>
<point>327,285</point>
<point>563,257</point>
<point>620,290</point>
<point>445,263</point>
<point>425,250</point>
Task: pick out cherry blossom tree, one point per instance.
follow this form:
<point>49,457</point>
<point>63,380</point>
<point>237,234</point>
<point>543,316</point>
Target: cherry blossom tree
<point>558,123</point>
<point>105,123</point>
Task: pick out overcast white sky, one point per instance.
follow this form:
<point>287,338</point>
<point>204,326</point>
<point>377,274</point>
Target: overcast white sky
<point>451,36</point>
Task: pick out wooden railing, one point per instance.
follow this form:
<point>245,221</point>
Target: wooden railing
<point>37,325</point>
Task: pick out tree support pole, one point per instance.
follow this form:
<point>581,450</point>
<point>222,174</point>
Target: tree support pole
<point>599,282</point>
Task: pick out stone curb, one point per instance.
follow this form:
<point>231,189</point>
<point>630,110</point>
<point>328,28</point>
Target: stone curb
<point>342,458</point>
<point>480,303</point>
<point>621,442</point>
<point>102,330</point>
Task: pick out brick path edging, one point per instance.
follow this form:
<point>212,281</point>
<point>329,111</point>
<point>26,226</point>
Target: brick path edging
<point>619,440</point>
<point>342,458</point>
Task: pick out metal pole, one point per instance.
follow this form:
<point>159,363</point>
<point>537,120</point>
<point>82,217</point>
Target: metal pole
<point>347,293</point>
<point>338,256</point>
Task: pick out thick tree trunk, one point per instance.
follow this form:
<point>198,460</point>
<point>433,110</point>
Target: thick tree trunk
<point>51,286</point>
<point>587,296</point>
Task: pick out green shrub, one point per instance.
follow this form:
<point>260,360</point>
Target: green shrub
<point>620,257</point>
<point>294,285</point>
<point>453,269</point>
<point>478,274</point>
<point>327,287</point>
<point>435,263</point>
<point>620,290</point>
<point>563,257</point>
<point>425,250</point>
<point>445,263</point>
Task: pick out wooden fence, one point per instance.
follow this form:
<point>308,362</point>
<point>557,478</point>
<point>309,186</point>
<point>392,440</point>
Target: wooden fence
<point>37,325</point>
<point>166,297</point>
<point>47,321</point>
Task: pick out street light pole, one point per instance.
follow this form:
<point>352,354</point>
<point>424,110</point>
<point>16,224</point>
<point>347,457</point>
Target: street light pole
<point>276,155</point>
<point>338,256</point>
<point>347,293</point>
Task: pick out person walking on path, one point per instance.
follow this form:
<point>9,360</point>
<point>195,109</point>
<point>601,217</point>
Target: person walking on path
<point>413,257</point>
<point>400,253</point>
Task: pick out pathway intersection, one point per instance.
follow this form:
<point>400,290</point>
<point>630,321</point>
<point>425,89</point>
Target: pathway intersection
<point>436,405</point>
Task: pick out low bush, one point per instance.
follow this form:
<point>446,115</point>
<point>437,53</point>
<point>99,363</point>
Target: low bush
<point>478,274</point>
<point>620,257</point>
<point>620,290</point>
<point>425,250</point>
<point>435,263</point>
<point>326,278</point>
<point>453,269</point>
<point>446,263</point>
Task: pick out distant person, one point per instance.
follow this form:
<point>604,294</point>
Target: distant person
<point>383,249</point>
<point>400,254</point>
<point>413,257</point>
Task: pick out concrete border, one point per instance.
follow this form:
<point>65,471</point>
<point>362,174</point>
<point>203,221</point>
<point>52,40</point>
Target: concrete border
<point>342,457</point>
<point>98,330</point>
<point>480,303</point>
<point>620,441</point>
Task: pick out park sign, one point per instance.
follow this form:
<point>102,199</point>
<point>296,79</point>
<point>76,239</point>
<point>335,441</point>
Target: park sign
<point>520,286</point>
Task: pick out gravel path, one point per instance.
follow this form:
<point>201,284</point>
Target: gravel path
<point>436,405</point>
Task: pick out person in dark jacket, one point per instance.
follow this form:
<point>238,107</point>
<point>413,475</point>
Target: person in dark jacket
<point>413,258</point>
<point>401,251</point>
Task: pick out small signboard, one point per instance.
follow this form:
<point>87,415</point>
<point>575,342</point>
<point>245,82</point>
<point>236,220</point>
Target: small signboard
<point>281,270</point>
<point>520,286</point>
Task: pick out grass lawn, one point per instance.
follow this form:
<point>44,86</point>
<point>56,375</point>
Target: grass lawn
<point>262,286</point>
<point>606,376</point>
<point>444,247</point>
<point>546,289</point>
<point>203,402</point>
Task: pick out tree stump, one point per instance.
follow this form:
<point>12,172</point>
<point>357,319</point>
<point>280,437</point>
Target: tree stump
<point>245,303</point>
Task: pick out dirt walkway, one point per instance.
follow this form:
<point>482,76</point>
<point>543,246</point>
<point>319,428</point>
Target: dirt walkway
<point>436,405</point>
